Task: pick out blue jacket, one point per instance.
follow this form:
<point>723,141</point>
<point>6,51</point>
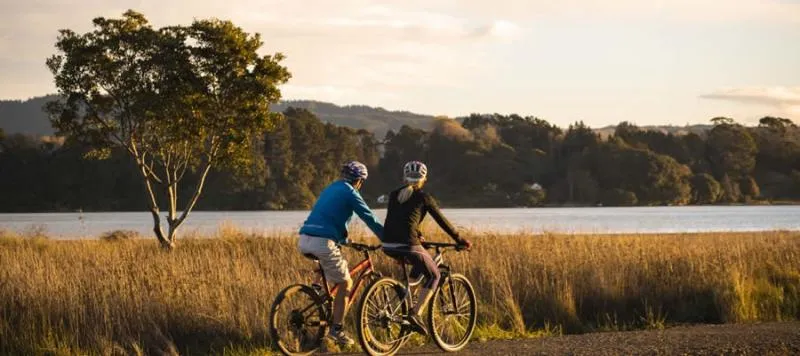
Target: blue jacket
<point>334,209</point>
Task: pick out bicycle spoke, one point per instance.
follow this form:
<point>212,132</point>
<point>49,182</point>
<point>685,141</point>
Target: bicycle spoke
<point>371,306</point>
<point>400,338</point>
<point>453,314</point>
<point>463,300</point>
<point>396,309</point>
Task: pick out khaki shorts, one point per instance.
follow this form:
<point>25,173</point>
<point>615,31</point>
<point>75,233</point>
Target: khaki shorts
<point>330,257</point>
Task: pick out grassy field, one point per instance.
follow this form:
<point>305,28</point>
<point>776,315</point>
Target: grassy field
<point>213,295</point>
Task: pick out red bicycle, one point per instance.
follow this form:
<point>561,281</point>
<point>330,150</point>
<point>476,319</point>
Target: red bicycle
<point>301,314</point>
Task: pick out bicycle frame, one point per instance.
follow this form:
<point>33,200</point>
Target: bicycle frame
<point>444,270</point>
<point>357,274</point>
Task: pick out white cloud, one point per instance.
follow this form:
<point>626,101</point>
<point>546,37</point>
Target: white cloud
<point>785,99</point>
<point>690,10</point>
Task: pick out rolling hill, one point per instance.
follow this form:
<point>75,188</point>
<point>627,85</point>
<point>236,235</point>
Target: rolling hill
<point>27,117</point>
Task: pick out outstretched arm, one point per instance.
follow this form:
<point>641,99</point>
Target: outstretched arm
<point>367,216</point>
<point>433,208</point>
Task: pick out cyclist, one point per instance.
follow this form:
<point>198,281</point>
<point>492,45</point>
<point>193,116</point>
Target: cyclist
<point>326,228</point>
<point>402,238</point>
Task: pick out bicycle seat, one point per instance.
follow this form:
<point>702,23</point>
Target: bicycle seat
<point>311,256</point>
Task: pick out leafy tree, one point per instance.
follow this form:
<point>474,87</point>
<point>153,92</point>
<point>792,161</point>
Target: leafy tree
<point>731,149</point>
<point>705,189</point>
<point>531,195</point>
<point>619,197</point>
<point>730,190</point>
<point>776,123</point>
<point>721,120</point>
<point>178,100</point>
<point>749,188</point>
<point>655,179</point>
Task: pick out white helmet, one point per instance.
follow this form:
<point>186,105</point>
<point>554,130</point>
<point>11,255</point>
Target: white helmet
<point>415,171</point>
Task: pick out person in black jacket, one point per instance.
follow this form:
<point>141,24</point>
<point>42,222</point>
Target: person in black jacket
<point>402,238</point>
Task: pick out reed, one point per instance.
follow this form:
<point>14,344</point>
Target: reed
<point>212,295</point>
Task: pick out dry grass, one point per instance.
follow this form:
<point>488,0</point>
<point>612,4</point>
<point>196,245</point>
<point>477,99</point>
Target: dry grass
<point>213,295</point>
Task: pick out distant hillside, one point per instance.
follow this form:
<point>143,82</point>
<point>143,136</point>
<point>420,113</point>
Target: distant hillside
<point>377,120</point>
<point>27,117</point>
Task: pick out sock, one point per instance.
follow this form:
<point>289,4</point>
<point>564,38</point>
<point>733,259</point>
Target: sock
<point>337,327</point>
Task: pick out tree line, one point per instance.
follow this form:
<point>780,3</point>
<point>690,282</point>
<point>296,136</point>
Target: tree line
<point>476,161</point>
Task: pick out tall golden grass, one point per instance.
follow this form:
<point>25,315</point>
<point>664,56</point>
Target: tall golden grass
<point>213,295</point>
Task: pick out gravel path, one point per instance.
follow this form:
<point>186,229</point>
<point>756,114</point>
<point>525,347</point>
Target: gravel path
<point>779,338</point>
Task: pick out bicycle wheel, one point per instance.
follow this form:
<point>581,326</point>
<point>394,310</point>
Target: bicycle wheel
<point>366,281</point>
<point>298,321</point>
<point>379,318</point>
<point>452,313</point>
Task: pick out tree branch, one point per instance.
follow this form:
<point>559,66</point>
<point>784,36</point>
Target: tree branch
<point>99,120</point>
<point>141,160</point>
<point>193,201</point>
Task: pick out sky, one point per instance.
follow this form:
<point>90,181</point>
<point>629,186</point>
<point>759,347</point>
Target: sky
<point>644,61</point>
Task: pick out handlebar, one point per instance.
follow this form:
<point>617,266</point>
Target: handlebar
<point>362,247</point>
<point>444,245</point>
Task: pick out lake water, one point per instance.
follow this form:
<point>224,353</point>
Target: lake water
<point>536,220</point>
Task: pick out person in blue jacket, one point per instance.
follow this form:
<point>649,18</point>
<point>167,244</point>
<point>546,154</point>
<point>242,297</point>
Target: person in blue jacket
<point>326,228</point>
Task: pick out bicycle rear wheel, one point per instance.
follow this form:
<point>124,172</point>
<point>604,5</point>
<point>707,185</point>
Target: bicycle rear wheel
<point>379,317</point>
<point>452,314</point>
<point>298,320</point>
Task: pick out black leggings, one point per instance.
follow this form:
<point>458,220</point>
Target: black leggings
<point>420,260</point>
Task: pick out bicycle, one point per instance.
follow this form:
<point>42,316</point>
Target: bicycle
<point>381,324</point>
<point>309,310</point>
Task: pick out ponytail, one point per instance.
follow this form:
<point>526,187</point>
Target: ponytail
<point>405,193</point>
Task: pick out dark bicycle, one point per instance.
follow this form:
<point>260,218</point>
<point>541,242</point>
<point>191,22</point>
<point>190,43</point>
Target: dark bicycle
<point>381,319</point>
<point>301,314</point>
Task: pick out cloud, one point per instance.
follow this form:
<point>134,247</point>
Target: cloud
<point>786,99</point>
<point>349,50</point>
<point>682,10</point>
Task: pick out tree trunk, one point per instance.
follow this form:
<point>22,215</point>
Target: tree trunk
<point>167,242</point>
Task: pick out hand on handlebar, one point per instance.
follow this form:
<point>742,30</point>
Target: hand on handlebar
<point>465,244</point>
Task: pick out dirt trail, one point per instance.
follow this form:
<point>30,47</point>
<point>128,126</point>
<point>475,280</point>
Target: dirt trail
<point>779,338</point>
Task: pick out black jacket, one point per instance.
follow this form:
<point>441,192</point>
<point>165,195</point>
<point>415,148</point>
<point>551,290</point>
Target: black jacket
<point>403,220</point>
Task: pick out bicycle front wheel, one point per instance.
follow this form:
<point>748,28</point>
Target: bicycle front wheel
<point>380,317</point>
<point>452,314</point>
<point>298,320</point>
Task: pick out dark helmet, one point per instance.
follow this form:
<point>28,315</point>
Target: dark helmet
<point>354,170</point>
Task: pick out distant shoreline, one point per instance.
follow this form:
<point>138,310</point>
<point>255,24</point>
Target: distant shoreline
<point>444,206</point>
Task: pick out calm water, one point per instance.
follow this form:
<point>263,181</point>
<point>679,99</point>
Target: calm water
<point>569,220</point>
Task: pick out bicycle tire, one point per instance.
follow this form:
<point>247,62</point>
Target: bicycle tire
<point>375,307</point>
<point>308,342</point>
<point>441,303</point>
